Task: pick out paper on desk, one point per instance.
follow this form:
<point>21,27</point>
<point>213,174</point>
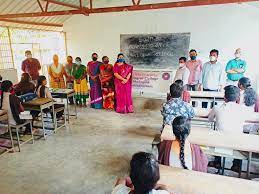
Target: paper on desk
<point>224,151</point>
<point>25,115</point>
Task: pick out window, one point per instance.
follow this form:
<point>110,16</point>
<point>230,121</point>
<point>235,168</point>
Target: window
<point>43,44</point>
<point>6,59</point>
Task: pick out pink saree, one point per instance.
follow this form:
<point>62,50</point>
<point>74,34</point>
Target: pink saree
<point>123,92</point>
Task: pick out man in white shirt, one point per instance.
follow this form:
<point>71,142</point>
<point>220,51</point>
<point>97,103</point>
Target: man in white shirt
<point>230,118</point>
<point>182,72</point>
<point>212,78</point>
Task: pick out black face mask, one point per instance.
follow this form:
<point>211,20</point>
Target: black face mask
<point>94,58</point>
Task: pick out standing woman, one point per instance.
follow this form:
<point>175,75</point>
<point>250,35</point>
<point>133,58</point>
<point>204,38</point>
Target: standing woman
<point>56,73</point>
<point>107,83</point>
<point>123,85</point>
<point>93,69</point>
<point>80,83</point>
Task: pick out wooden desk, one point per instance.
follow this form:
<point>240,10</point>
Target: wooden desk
<point>40,104</point>
<point>181,181</point>
<point>205,94</point>
<point>202,96</point>
<point>64,94</point>
<point>215,139</point>
<point>201,115</point>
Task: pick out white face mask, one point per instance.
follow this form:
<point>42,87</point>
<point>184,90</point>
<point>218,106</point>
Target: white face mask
<point>213,58</point>
<point>238,55</point>
<point>181,65</point>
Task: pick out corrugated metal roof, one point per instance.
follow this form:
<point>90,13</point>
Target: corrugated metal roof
<point>28,6</point>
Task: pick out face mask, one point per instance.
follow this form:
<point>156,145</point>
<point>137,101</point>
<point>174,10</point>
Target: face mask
<point>213,58</point>
<point>94,58</point>
<point>193,57</point>
<point>78,62</point>
<point>121,60</point>
<point>29,56</point>
<point>181,65</point>
<point>238,55</point>
<point>106,62</point>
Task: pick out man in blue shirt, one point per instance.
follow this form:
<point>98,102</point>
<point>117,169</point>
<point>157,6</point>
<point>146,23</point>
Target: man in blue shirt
<point>212,75</point>
<point>235,69</point>
<point>176,106</point>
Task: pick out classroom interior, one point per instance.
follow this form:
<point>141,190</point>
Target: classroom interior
<point>94,147</point>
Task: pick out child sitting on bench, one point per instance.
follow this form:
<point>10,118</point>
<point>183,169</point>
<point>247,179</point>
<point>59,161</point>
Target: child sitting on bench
<point>12,105</point>
<point>43,92</point>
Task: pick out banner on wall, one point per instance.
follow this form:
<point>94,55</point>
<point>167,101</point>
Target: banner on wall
<point>151,83</point>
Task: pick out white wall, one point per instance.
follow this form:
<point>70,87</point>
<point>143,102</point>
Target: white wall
<point>224,27</point>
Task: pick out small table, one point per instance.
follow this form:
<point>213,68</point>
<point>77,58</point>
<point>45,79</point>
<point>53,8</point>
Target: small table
<point>64,94</point>
<point>40,104</point>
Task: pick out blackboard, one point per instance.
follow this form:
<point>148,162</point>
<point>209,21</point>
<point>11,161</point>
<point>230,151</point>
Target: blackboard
<point>154,51</point>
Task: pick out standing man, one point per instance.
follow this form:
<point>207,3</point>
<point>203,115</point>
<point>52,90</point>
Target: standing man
<point>31,66</point>
<point>195,67</point>
<point>69,75</point>
<point>212,75</point>
<point>235,69</point>
<point>182,72</point>
<point>93,69</point>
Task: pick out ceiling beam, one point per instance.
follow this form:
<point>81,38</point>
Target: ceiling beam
<point>91,4</point>
<point>43,14</point>
<point>31,23</point>
<point>47,6</point>
<point>87,11</point>
<point>166,5</point>
<point>40,5</point>
<point>63,4</point>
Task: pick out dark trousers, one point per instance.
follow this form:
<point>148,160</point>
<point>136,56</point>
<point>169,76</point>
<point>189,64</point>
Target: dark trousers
<point>236,162</point>
<point>205,104</point>
<point>192,88</point>
<point>71,100</point>
<point>35,113</point>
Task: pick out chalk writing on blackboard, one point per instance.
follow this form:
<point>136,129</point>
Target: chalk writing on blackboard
<point>154,50</point>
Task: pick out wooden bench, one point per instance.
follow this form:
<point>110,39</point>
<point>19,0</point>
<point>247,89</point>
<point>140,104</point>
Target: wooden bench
<point>191,182</point>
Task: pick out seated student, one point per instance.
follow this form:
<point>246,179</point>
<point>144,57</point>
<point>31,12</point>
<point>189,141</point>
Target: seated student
<point>230,117</point>
<point>250,98</point>
<point>180,152</point>
<point>144,175</point>
<point>12,105</point>
<point>186,95</point>
<point>175,106</point>
<point>43,92</point>
<point>243,84</point>
<point>182,72</point>
<point>25,86</point>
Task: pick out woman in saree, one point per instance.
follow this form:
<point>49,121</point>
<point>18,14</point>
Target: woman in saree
<point>123,85</point>
<point>93,69</point>
<point>56,73</point>
<point>107,83</point>
<point>80,83</point>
